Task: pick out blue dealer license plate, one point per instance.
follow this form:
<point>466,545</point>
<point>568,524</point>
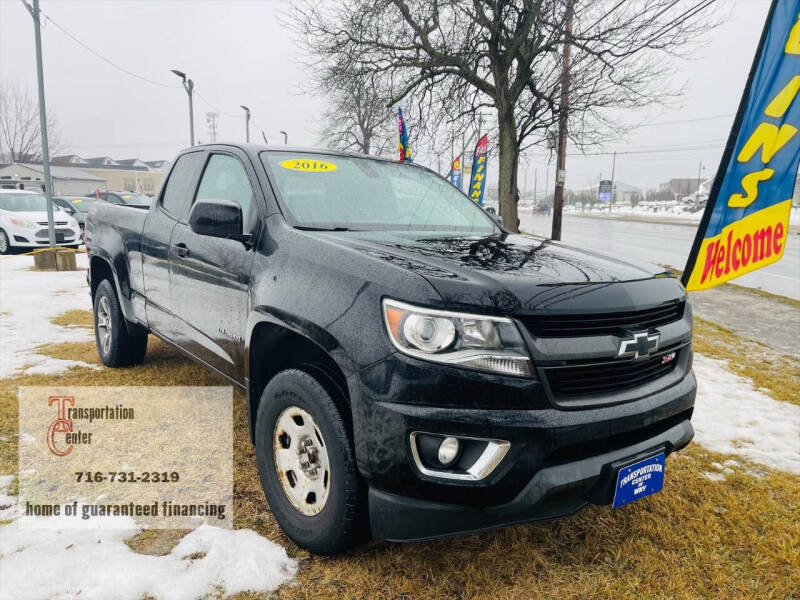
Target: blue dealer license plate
<point>639,480</point>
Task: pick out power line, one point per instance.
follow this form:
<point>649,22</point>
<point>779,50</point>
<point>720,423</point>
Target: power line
<point>216,108</point>
<point>104,59</point>
<point>712,118</point>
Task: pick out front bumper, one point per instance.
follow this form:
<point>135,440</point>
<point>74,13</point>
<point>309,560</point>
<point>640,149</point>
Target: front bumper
<point>553,492</point>
<point>19,237</point>
<point>559,459</point>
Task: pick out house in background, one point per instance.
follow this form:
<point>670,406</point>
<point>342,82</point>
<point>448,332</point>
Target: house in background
<point>681,186</point>
<point>129,174</point>
<point>67,181</point>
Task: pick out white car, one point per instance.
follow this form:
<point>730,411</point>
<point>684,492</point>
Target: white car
<point>23,222</point>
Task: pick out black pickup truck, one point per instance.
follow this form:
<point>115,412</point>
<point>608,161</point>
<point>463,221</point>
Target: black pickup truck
<point>412,369</point>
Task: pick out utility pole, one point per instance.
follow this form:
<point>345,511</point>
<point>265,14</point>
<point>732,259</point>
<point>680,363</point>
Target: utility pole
<point>246,123</point>
<point>211,121</point>
<point>48,182</point>
<point>188,85</point>
<point>525,186</point>
<point>558,195</point>
<point>535,191</point>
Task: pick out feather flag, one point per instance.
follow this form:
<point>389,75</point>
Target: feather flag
<point>402,141</point>
<point>477,182</point>
<point>745,225</point>
<point>455,172</point>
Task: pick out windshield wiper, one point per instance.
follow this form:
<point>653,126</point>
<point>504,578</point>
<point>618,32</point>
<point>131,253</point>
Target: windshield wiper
<point>310,228</point>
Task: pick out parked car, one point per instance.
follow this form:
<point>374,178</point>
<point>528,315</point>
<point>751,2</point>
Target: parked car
<point>127,198</point>
<point>75,206</point>
<point>23,222</point>
<point>412,368</point>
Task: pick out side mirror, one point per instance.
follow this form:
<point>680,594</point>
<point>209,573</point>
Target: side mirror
<point>218,218</point>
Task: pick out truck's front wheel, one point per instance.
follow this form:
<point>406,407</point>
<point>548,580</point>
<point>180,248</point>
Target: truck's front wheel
<point>115,345</point>
<point>307,464</point>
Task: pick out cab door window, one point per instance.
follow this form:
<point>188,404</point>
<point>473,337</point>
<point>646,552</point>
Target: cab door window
<point>225,178</point>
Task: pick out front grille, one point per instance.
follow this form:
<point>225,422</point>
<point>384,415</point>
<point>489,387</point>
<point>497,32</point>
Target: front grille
<point>63,232</point>
<point>55,223</point>
<point>601,323</point>
<point>606,377</point>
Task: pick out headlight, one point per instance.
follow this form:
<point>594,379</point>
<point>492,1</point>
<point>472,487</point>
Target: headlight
<point>73,222</point>
<point>24,223</point>
<point>473,341</point>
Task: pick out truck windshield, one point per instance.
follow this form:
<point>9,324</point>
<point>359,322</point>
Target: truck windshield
<point>323,191</point>
<point>23,202</point>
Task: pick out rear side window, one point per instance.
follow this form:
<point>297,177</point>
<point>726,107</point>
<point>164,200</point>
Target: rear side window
<point>178,192</point>
<point>226,179</point>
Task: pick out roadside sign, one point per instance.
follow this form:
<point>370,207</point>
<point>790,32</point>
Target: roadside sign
<point>604,191</point>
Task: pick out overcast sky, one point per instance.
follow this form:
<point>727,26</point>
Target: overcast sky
<point>238,53</point>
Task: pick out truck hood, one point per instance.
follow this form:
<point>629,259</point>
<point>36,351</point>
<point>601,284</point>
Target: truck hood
<point>517,273</point>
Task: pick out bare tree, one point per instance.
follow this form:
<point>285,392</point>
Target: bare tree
<point>20,134</point>
<point>460,56</point>
<point>357,117</point>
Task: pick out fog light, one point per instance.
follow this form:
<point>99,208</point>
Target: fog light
<point>448,450</point>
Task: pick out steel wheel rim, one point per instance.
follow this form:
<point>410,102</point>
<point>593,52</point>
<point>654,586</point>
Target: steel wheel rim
<point>104,326</point>
<point>3,242</point>
<point>301,461</point>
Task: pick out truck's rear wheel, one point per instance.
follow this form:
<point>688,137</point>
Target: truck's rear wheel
<point>116,347</point>
<point>307,464</point>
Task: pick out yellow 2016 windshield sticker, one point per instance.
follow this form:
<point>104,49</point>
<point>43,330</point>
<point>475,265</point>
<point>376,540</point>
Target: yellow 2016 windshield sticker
<point>308,166</point>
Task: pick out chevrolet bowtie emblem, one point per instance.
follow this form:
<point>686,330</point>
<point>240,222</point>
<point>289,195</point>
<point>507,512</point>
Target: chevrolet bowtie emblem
<point>640,345</point>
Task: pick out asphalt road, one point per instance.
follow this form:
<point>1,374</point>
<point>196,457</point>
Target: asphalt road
<point>663,244</point>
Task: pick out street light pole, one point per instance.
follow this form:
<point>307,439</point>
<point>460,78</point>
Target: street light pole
<point>48,182</point>
<point>188,85</point>
<point>246,123</point>
<point>285,138</point>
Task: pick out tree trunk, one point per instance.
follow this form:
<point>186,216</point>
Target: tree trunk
<point>509,165</point>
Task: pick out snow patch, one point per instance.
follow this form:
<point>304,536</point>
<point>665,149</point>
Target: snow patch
<point>28,299</point>
<point>731,416</point>
<point>8,504</point>
<point>94,562</point>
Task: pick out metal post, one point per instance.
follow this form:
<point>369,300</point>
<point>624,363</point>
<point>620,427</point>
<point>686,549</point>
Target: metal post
<point>189,85</point>
<point>246,123</point>
<point>558,195</point>
<point>48,182</point>
<point>613,173</point>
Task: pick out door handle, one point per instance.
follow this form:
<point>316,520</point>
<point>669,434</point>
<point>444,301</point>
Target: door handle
<point>181,249</point>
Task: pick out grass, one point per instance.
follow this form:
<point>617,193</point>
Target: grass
<point>772,372</point>
<point>735,538</point>
<point>74,318</point>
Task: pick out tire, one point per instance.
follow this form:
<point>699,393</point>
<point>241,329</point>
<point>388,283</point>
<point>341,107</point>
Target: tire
<point>5,244</point>
<point>336,519</point>
<point>116,347</point>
